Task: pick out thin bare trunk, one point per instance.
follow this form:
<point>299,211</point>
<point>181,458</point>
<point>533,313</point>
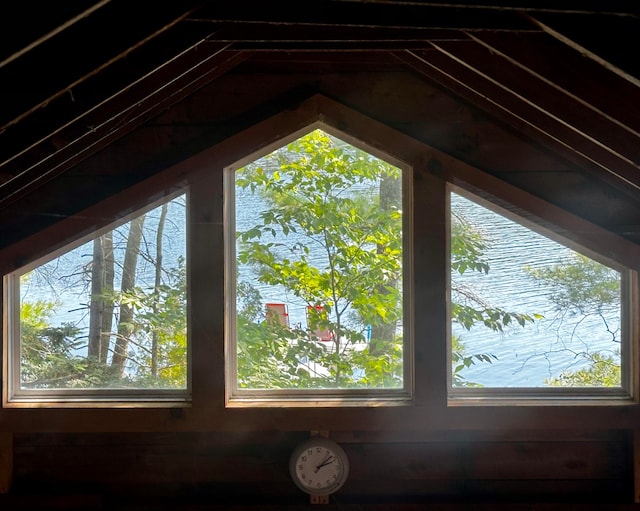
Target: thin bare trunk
<point>101,308</point>
<point>157,283</point>
<point>96,308</point>
<point>128,283</point>
<point>107,313</point>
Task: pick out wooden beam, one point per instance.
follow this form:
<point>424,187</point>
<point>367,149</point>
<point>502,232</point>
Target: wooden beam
<point>39,109</point>
<point>619,8</point>
<point>607,95</point>
<point>586,52</point>
<point>524,115</point>
<point>110,120</point>
<point>52,33</point>
<point>328,13</point>
<point>542,93</point>
<point>263,34</point>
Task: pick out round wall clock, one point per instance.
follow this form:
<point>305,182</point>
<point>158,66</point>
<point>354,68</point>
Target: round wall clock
<point>319,466</point>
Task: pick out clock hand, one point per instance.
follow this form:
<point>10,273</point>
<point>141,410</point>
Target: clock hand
<point>327,461</point>
<point>315,470</point>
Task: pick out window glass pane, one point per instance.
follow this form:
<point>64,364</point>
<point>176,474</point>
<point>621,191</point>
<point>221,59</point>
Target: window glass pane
<point>111,313</point>
<point>319,268</point>
<point>526,310</point>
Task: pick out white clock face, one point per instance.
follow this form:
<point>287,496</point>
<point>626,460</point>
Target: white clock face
<point>319,466</point>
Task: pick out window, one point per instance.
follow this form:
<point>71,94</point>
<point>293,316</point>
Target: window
<point>316,272</point>
<point>532,314</point>
<point>105,317</point>
<point>329,248</point>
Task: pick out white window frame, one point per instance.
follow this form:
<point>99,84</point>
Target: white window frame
<point>237,397</point>
<point>15,396</point>
<point>623,394</point>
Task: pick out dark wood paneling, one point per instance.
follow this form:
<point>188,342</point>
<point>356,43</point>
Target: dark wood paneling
<point>483,85</point>
<point>238,100</point>
<point>180,469</point>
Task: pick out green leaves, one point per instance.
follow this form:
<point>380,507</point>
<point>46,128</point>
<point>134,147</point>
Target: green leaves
<point>467,248</point>
<point>602,371</point>
<point>494,318</point>
<point>333,244</point>
<point>583,291</point>
<point>580,285</point>
<point>147,316</point>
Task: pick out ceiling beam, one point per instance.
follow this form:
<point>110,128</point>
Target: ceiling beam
<point>599,131</point>
<point>115,117</point>
<point>604,62</point>
<point>606,95</point>
<point>524,116</point>
<point>611,7</point>
<point>260,33</point>
<point>335,13</point>
<point>37,42</point>
<point>28,73</point>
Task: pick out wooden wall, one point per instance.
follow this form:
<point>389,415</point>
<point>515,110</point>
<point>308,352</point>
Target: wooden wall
<point>463,460</point>
<point>447,470</point>
<point>385,91</point>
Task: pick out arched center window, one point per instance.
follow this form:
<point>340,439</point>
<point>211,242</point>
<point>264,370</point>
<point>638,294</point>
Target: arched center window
<point>316,271</point>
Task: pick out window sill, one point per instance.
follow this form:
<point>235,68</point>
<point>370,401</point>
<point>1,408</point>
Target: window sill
<point>318,401</point>
<point>518,397</point>
<point>94,402</point>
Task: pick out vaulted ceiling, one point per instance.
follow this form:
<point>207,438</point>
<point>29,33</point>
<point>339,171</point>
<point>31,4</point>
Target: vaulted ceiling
<point>80,74</point>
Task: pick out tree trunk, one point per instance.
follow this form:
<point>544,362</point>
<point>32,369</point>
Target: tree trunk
<point>125,329</point>
<point>382,335</point>
<point>157,283</point>
<point>96,308</point>
<point>107,315</point>
<point>101,308</point>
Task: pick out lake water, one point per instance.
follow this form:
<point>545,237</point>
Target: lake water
<point>524,356</point>
<point>527,356</point>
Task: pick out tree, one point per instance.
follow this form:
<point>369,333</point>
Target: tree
<point>345,203</point>
<point>319,204</point>
<point>468,308</point>
<point>47,351</point>
<point>125,323</point>
<point>133,335</point>
<point>579,288</point>
<point>584,287</point>
<point>390,198</point>
<point>101,310</point>
<point>602,371</point>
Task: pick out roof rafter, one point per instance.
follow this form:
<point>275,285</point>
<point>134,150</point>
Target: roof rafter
<point>525,115</point>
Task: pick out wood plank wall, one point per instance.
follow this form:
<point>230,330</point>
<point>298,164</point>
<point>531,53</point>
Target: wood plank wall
<point>541,470</point>
<point>197,470</point>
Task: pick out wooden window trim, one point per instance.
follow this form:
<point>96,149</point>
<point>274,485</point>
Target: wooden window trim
<point>554,227</point>
<point>14,396</point>
<point>429,410</point>
<point>362,397</point>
